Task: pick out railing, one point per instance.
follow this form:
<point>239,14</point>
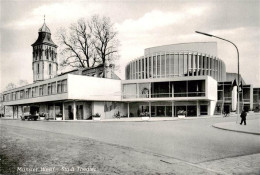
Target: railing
<point>190,94</point>
<point>161,95</point>
<point>165,95</point>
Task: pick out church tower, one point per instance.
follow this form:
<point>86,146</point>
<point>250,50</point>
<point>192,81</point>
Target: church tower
<point>44,63</point>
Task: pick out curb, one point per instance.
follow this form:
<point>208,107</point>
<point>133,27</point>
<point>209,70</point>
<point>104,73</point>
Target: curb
<point>136,120</point>
<point>246,132</point>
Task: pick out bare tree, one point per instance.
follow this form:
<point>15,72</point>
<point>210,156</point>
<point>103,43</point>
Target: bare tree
<point>76,46</point>
<point>88,42</point>
<point>104,38</point>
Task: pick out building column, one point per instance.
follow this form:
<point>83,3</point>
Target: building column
<point>74,111</point>
<point>150,110</point>
<point>13,112</point>
<point>22,110</point>
<point>63,111</point>
<point>209,107</point>
<point>54,112</point>
<point>172,108</point>
<point>128,110</point>
<point>17,111</point>
<point>198,109</point>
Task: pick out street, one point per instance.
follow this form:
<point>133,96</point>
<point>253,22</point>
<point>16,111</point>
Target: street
<point>191,142</point>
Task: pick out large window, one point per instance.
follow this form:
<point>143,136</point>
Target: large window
<point>38,68</point>
<point>246,93</point>
<point>49,89</point>
<point>228,91</point>
<point>50,69</point>
<point>53,88</point>
<point>59,87</point>
<point>45,90</point>
<point>196,88</point>
<point>161,89</point>
<point>41,90</point>
<point>180,89</point>
<point>21,94</point>
<point>64,85</point>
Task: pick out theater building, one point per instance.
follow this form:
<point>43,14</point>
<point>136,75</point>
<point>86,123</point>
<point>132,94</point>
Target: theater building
<point>185,78</point>
<point>177,80</point>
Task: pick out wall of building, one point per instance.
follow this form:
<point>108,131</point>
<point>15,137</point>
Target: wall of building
<point>93,88</point>
<point>211,89</point>
<point>188,59</point>
<point>43,98</point>
<point>203,47</point>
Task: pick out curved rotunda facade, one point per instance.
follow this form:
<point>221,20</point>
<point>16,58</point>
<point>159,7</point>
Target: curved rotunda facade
<point>178,60</point>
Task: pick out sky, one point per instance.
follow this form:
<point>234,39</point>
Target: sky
<point>140,24</point>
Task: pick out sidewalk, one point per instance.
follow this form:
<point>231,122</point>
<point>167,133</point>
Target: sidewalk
<point>251,127</point>
<point>153,119</point>
<point>139,119</point>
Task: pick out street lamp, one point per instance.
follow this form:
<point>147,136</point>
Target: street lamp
<point>202,33</point>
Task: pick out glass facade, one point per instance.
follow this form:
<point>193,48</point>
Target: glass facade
<point>190,88</point>
<point>163,65</point>
<point>37,91</point>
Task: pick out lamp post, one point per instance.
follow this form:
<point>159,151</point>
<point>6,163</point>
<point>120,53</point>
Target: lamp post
<point>202,33</point>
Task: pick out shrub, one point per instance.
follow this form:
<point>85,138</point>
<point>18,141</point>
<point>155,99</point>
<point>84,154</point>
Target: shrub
<point>96,115</point>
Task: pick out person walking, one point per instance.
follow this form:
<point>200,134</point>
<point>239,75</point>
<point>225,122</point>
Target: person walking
<point>243,117</point>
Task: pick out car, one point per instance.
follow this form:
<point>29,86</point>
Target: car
<point>29,117</point>
<point>29,114</point>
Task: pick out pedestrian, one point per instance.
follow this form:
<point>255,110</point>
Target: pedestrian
<point>243,117</point>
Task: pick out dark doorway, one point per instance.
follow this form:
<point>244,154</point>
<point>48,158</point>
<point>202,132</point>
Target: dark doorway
<point>160,111</point>
<point>226,108</point>
<point>246,107</point>
<point>191,111</point>
<point>34,110</point>
<point>203,109</point>
<point>70,113</point>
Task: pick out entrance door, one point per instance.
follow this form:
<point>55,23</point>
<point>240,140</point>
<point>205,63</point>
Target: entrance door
<point>70,113</point>
<point>80,112</point>
<point>203,109</point>
<point>226,108</point>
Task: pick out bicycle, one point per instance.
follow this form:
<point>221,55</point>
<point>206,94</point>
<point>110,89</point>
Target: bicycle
<point>226,114</point>
<point>117,115</point>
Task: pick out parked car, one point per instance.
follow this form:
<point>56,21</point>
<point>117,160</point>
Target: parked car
<point>27,114</point>
<point>29,117</point>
